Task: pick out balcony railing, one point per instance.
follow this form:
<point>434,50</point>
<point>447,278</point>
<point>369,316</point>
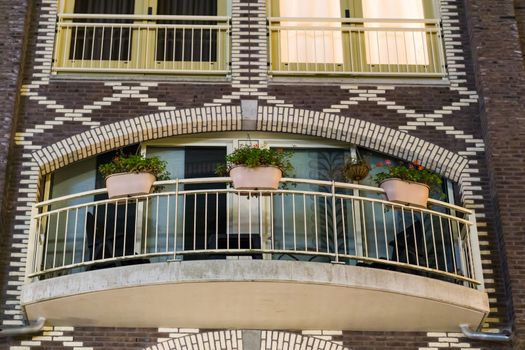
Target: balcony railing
<point>142,44</point>
<point>306,220</point>
<point>356,47</point>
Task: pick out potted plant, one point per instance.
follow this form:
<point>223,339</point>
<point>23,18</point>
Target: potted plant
<point>408,184</point>
<point>129,175</point>
<point>256,168</point>
<point>356,169</point>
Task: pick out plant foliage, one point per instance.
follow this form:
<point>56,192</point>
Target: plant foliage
<point>255,156</point>
<point>411,172</point>
<point>135,164</point>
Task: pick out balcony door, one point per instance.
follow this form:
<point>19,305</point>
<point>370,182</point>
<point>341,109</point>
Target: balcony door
<point>142,35</point>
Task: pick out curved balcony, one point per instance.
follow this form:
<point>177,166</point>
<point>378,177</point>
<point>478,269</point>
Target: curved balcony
<point>412,261</point>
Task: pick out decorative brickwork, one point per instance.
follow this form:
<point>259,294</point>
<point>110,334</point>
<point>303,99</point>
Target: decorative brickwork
<point>61,119</point>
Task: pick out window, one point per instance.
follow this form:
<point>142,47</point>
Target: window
<point>358,37</point>
<point>142,36</point>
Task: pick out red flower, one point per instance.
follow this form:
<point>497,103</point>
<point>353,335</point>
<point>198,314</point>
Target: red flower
<point>420,168</point>
<point>416,162</point>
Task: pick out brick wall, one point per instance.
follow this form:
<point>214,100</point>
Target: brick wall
<point>12,37</point>
<point>501,82</point>
<point>53,108</point>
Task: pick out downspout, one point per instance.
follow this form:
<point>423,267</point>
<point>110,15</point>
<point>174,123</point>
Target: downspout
<point>24,330</point>
<point>496,337</point>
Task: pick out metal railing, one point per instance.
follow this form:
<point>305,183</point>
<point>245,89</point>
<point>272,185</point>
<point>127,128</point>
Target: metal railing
<point>307,220</point>
<point>356,46</point>
<point>142,44</point>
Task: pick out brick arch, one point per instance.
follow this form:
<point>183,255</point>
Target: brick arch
<point>219,340</point>
<point>269,119</point>
<point>231,339</point>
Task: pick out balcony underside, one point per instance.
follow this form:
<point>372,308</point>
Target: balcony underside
<point>254,294</point>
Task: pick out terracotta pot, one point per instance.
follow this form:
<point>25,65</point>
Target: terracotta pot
<point>356,172</point>
<point>406,192</point>
<point>260,178</point>
<point>129,184</point>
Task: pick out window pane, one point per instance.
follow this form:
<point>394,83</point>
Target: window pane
<point>399,46</point>
<point>306,44</point>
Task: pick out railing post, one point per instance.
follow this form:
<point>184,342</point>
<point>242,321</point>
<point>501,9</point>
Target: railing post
<point>176,219</point>
<point>32,244</point>
<point>334,223</point>
<point>476,254</point>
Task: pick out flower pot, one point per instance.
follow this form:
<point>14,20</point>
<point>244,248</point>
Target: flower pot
<point>260,178</point>
<point>356,172</point>
<point>406,192</point>
<point>129,184</point>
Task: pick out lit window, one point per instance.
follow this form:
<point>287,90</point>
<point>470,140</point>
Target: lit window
<point>395,47</point>
<point>308,44</point>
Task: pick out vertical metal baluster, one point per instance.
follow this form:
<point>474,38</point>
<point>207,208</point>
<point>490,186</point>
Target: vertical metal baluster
<point>206,221</point>
<point>125,228</point>
<point>395,232</point>
<point>184,222</point>
<point>200,48</point>
<point>305,224</point>
<point>316,202</point>
<point>210,35</point>
<point>165,48</point>
<point>375,229</point>
<point>272,231</point>
<point>354,225</point>
<point>326,224</point>
<point>415,237</point>
<point>379,52</point>
<point>75,236</point>
<point>174,48</point>
<point>105,229</point>
<point>75,43</point>
<point>249,219</point>
<point>434,240</point>
<point>168,197</point>
<point>344,226</point>
<point>365,233</point>
<point>47,233</point>
<point>111,46</point>
<point>261,238</point>
<point>95,232</point>
<point>64,54</point>
<point>443,243</point>
<point>64,248</point>
<point>176,224</point>
<point>120,40</point>
<point>282,217</point>
<point>102,55</point>
<point>195,221</point>
<point>294,226</point>
<point>157,224</point>
<point>424,237</point>
<point>56,239</point>
<point>85,234</point>
<point>115,229</point>
<point>384,230</point>
<point>192,48</point>
<point>239,221</point>
<point>135,227</point>
<point>84,47</point>
<point>452,245</point>
<point>229,198</point>
<point>405,235</point>
<point>397,52</point>
<point>217,220</point>
<point>145,251</point>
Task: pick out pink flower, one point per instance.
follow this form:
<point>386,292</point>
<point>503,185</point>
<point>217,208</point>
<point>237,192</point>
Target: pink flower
<point>388,162</point>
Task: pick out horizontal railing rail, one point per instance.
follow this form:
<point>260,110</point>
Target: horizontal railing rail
<point>308,220</point>
<point>356,47</point>
<point>142,44</point>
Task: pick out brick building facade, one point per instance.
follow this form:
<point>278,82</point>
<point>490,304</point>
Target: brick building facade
<point>468,127</point>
